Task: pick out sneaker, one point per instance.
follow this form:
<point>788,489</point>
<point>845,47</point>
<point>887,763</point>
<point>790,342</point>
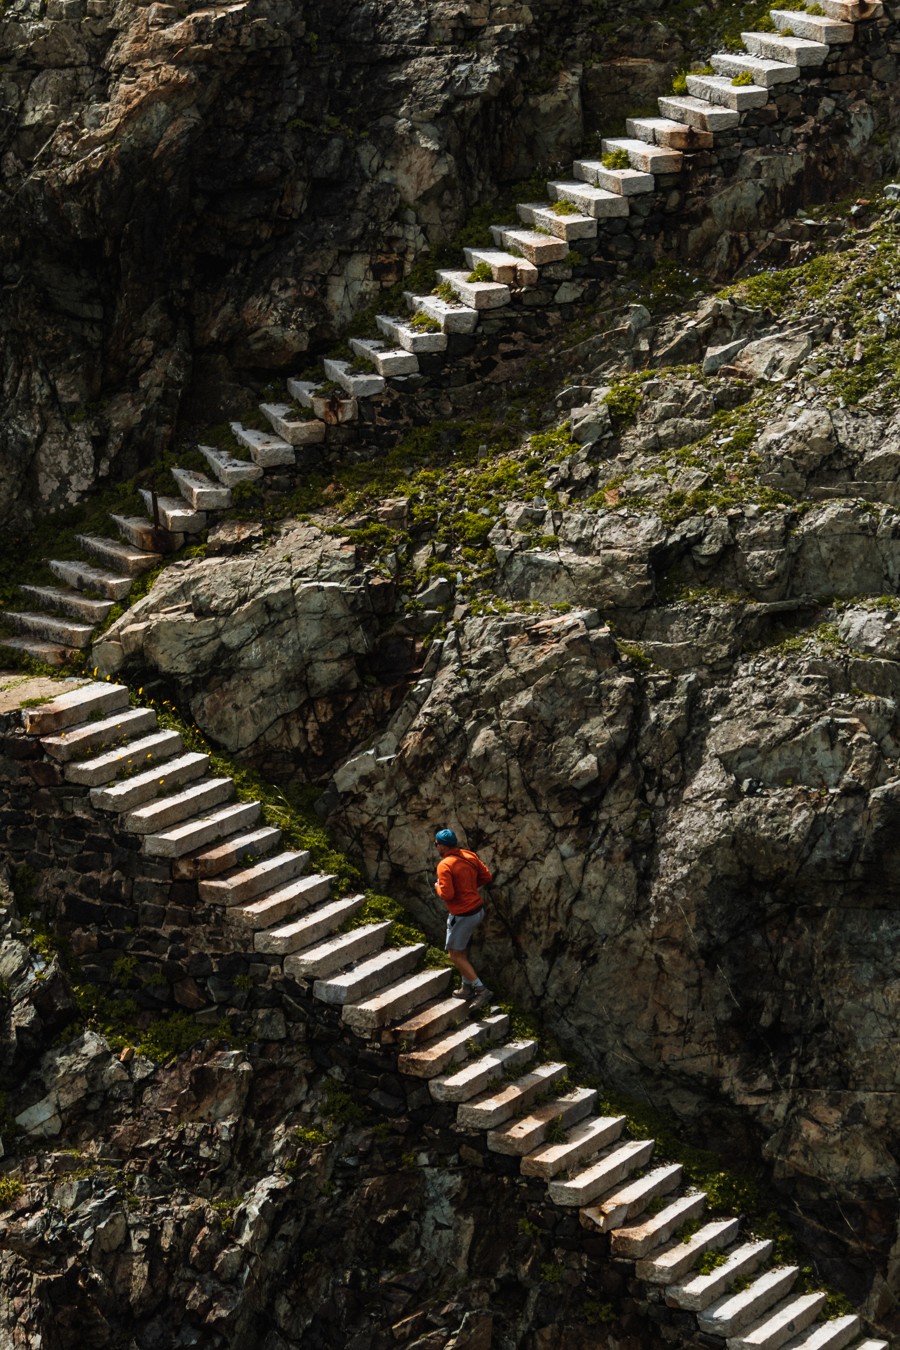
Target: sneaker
<point>465,991</point>
<point>480,997</point>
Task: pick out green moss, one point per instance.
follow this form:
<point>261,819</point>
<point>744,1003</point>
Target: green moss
<point>10,1190</point>
<point>423,323</point>
<point>617,159</point>
<point>444,291</point>
<point>481,272</point>
<point>741,81</point>
<point>624,401</point>
<point>709,1262</point>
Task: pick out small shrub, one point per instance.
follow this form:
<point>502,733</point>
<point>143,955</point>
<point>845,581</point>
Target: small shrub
<point>742,80</point>
<point>444,291</point>
<point>709,1262</point>
<point>10,1190</point>
<point>564,208</point>
<point>424,323</point>
<point>679,84</point>
<point>481,272</point>
<point>618,159</point>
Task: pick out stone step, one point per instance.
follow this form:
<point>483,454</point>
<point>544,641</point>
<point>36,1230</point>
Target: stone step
<point>237,888</point>
<point>730,1315</point>
<point>452,318</point>
<point>668,134</point>
<point>125,759</point>
<point>277,906</point>
<point>386,360</point>
<point>266,449</point>
<point>528,1132</point>
<point>813,27</point>
<point>241,850</point>
<point>65,632</point>
<point>74,742</point>
<point>477,1077</point>
<point>69,602</point>
<point>777,1327</point>
<point>452,1047</point>
<point>396,1000</point>
<point>50,653</point>
<point>174,513</point>
<point>602,1175</point>
<point>701,1291</point>
<point>371,976</point>
<point>538,249</point>
<point>651,1231</point>
<point>505,267</point>
<point>94,700</point>
<point>200,491</point>
<point>696,112</point>
<point>145,787</point>
<point>872,1345</point>
<point>127,559</point>
<point>541,216</point>
<point>493,1109</point>
<point>793,51</point>
<point>582,1142</point>
<point>305,932</point>
<point>228,469</point>
<point>718,89</point>
<point>357,384</point>
<point>675,1261</point>
<point>631,1199</point>
<point>851,11</point>
<point>337,952</point>
<point>835,1334</point>
<point>766,74</point>
<point>193,834</point>
<point>284,421</point>
<point>590,200</point>
<point>647,158</point>
<point>627,182</point>
<point>142,534</point>
<point>475,294</point>
<point>427,1023</point>
<point>410,339</point>
<point>193,800</point>
<point>84,577</point>
<point>330,407</point>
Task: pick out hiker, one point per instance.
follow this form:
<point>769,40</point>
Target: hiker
<point>460,873</point>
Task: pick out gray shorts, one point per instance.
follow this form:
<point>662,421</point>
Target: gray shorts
<point>460,930</point>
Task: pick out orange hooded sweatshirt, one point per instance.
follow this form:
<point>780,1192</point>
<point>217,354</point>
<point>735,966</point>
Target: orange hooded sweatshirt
<point>459,874</point>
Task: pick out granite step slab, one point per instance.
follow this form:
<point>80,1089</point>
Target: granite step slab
<point>412,340</point>
<point>793,51</point>
<point>870,1344</point>
<point>284,421</point>
<point>851,11</point>
<point>142,534</point>
<point>629,1199</point>
<point>599,1178</point>
<point>144,787</point>
<point>200,491</point>
<point>718,89</point>
<point>538,249</point>
<point>583,1141</point>
<point>240,850</point>
<point>124,759</point>
<point>193,834</point>
<point>813,27</point>
<point>356,384</point>
<point>237,888</point>
<point>701,1291</point>
<point>780,1324</point>
<point>127,560</point>
<point>395,1000</point>
<point>505,267</point>
<point>835,1334</point>
<point>74,742</point>
<point>175,514</point>
<point>337,952</point>
<point>475,1078</point>
<point>372,975</point>
<point>50,653</point>
<point>649,1232</point>
<point>386,360</point>
<point>277,906</point>
<point>75,706</point>
<point>475,294</point>
<point>266,449</point>
<point>674,1262</point>
<point>526,1133</point>
<point>228,469</point>
<point>84,576</point>
<point>170,810</point>
<point>590,200</point>
<point>452,318</point>
<point>696,112</point>
<point>669,134</point>
<point>65,632</point>
<point>627,182</point>
<point>766,74</point>
<point>647,158</point>
<point>452,1047</point>
<point>734,1313</point>
<point>496,1107</point>
<point>541,216</point>
<point>312,928</point>
<point>67,601</point>
<point>427,1023</point>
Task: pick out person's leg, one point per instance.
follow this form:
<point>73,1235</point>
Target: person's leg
<point>463,965</point>
<point>460,929</point>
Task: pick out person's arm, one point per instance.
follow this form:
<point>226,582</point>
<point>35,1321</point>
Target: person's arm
<point>485,877</point>
<point>444,887</point>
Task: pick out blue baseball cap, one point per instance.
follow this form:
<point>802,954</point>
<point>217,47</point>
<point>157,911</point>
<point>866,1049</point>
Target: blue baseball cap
<point>447,838</point>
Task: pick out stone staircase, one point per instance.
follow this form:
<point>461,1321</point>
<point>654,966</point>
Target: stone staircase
<point>176,810</point>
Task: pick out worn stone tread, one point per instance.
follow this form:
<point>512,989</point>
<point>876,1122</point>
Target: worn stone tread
<point>68,601</point>
<point>236,888</point>
<point>337,952</point>
<point>582,1142</point>
<point>451,1047</point>
<point>231,853</point>
<point>354,985</point>
<point>169,810</point>
<point>124,759</point>
<point>50,653</point>
<point>192,834</point>
<point>200,491</point>
<point>124,724</point>
<point>85,576</point>
<point>130,560</point>
<point>267,450</point>
<point>131,792</point>
<point>76,706</point>
<point>313,927</point>
<point>701,1291</point>
<point>566,227</point>
<point>794,1315</point>
<point>428,1022</point>
<point>595,1180</point>
<point>276,906</point>
<point>494,1108</point>
<point>175,514</point>
<point>521,1136</point>
<point>647,1232</point>
<point>676,1260</point>
<point>395,1000</point>
<point>628,1200</point>
<point>835,1334</point>
<point>476,1077</point>
<point>735,1312</point>
<point>51,627</point>
<point>228,468</point>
